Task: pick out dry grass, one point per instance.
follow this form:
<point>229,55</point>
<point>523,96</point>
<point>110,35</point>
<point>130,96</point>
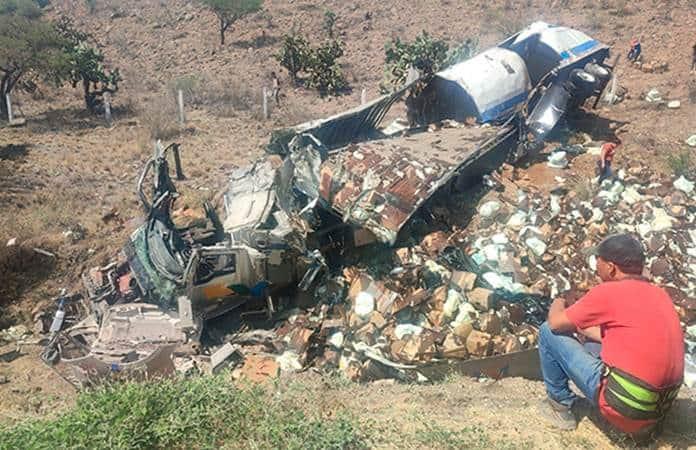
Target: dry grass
<point>583,187</point>
<point>21,268</point>
<point>506,21</point>
<point>222,97</point>
<point>159,116</point>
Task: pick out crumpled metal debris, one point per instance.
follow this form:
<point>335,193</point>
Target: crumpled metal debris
<point>684,185</point>
<point>14,334</point>
<point>558,160</point>
<point>483,291</point>
<point>691,140</point>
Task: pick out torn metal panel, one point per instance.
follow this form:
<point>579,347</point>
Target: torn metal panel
<point>134,324</point>
<point>135,340</point>
<point>90,369</point>
<point>307,154</point>
<point>341,129</point>
<point>250,196</point>
<point>523,364</point>
<point>379,185</point>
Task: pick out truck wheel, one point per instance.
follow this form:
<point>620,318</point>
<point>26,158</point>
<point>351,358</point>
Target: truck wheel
<point>599,72</point>
<point>583,82</point>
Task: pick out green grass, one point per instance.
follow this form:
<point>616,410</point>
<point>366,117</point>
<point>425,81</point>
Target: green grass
<point>202,412</point>
<point>465,438</point>
<point>681,164</point>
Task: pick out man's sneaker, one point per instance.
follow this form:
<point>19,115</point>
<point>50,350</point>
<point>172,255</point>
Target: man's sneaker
<point>557,415</point>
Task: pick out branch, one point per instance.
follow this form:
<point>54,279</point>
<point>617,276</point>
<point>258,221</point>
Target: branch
<point>225,24</point>
<point>11,83</point>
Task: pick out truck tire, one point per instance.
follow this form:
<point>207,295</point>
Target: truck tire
<point>583,82</point>
<point>600,72</point>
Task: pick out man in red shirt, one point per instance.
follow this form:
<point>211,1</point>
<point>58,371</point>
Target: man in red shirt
<point>606,156</point>
<point>641,366</point>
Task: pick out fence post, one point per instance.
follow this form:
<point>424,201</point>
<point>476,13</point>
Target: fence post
<point>182,116</point>
<point>363,96</point>
<point>107,108</point>
<point>10,117</point>
<point>265,103</point>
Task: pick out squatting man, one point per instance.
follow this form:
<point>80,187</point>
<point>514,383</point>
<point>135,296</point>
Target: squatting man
<point>621,345</point>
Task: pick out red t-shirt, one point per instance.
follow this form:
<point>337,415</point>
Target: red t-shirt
<point>608,149</point>
<point>641,335</point>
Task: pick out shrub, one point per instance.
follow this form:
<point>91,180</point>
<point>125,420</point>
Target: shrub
<point>189,85</point>
<point>691,86</point>
<point>294,55</point>
<point>320,64</point>
<point>85,67</point>
<point>329,22</point>
<point>462,52</point>
<point>29,48</point>
<point>681,164</point>
<point>325,73</point>
<point>222,97</point>
<point>426,54</point>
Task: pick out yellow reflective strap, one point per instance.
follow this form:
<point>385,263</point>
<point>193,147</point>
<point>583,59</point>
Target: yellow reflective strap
<point>639,393</point>
<point>633,404</point>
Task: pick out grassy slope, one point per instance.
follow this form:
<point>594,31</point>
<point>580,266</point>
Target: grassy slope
<point>195,413</point>
<point>313,411</point>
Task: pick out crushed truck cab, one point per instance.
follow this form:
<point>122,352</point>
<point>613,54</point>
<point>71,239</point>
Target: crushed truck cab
<point>170,280</point>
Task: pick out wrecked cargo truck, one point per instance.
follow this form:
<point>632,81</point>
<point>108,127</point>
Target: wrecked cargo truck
<point>497,106</point>
<point>168,280</point>
<point>343,171</point>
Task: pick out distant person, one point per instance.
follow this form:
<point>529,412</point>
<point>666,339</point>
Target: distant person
<point>693,59</point>
<point>606,156</point>
<point>634,366</point>
<point>275,88</point>
<point>635,50</point>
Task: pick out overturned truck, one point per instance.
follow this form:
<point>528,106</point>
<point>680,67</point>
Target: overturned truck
<point>343,179</point>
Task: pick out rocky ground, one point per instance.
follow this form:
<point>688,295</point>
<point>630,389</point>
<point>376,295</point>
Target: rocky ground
<point>67,181</point>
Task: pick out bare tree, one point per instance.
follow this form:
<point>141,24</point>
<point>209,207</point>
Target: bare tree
<point>229,11</point>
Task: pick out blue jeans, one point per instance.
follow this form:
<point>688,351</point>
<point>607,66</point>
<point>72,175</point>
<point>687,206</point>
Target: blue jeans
<point>563,358</point>
<point>605,172</point>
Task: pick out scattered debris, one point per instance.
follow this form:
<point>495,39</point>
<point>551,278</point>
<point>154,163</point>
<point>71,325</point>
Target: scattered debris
<point>684,185</point>
<point>75,233</point>
<point>653,66</point>
<point>654,96</point>
<point>44,252</point>
<point>221,358</point>
<point>558,160</point>
<point>14,334</point>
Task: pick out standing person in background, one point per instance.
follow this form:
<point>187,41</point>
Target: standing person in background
<point>606,156</point>
<point>635,50</point>
<point>275,88</point>
<point>693,59</point>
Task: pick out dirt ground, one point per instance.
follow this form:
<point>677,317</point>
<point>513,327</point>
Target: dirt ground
<point>67,171</point>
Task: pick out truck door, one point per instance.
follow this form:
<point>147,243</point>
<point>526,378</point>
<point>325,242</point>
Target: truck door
<point>222,279</point>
